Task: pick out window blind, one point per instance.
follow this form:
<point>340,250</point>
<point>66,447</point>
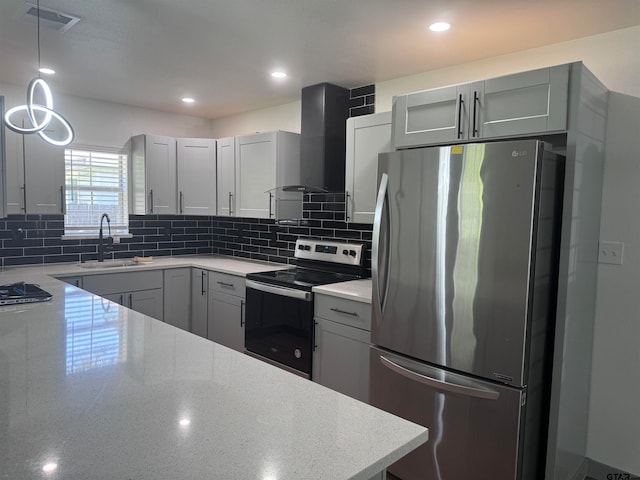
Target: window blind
<point>96,183</point>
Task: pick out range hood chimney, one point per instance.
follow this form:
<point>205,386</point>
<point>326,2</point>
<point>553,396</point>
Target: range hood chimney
<point>325,109</point>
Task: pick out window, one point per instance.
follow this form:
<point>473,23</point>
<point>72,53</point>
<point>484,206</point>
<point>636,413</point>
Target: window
<point>96,183</point>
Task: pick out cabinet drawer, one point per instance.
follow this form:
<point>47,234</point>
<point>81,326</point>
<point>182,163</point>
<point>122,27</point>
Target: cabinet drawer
<point>346,312</point>
<point>123,282</point>
<point>225,283</point>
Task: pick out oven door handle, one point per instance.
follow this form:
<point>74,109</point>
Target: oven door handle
<point>287,292</point>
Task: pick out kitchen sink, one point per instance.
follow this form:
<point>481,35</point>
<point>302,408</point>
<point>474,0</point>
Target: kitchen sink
<point>108,264</point>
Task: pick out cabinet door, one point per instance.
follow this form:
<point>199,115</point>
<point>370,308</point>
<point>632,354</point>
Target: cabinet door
<point>256,175</point>
<point>177,297</point>
<point>148,302</point>
<point>226,320</point>
<point>433,116</point>
<point>521,104</point>
<point>15,188</point>
<point>341,358</point>
<point>44,175</point>
<point>199,282</point>
<point>367,136</point>
<point>160,173</point>
<point>196,159</point>
<point>226,176</point>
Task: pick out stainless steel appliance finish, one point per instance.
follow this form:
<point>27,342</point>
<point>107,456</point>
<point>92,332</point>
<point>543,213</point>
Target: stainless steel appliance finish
<point>464,273</point>
<point>279,304</point>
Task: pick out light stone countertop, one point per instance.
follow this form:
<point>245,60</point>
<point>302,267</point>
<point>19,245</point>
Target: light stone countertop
<point>101,390</point>
<point>358,290</point>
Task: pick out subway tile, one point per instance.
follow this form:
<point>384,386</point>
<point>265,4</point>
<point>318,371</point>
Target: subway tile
<point>11,252</point>
<point>14,261</point>
<point>363,90</point>
<point>78,249</point>
<point>61,258</point>
<point>357,101</point>
<point>366,110</point>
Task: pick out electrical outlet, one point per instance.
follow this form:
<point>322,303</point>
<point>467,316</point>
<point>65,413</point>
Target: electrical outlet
<point>610,252</point>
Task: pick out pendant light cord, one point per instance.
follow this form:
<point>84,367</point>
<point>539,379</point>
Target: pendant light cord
<point>38,6</point>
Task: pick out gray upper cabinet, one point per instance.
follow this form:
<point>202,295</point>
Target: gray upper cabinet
<point>35,175</point>
<point>521,104</point>
<point>367,136</point>
<point>153,175</point>
<point>226,176</point>
<point>265,161</point>
<point>196,160</point>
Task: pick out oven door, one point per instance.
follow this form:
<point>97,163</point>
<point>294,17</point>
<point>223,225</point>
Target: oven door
<point>279,325</point>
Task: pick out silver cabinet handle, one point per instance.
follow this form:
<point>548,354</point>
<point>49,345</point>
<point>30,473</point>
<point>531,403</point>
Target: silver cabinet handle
<point>270,210</point>
<point>24,198</point>
<point>460,105</point>
<point>439,384</point>
<point>315,335</point>
<point>131,300</point>
<point>122,299</point>
<point>181,202</point>
<point>151,201</point>
<point>241,313</point>
<point>230,199</point>
<point>346,206</point>
<point>337,310</point>
<point>476,99</point>
<point>202,275</point>
<point>62,202</point>
<point>225,284</point>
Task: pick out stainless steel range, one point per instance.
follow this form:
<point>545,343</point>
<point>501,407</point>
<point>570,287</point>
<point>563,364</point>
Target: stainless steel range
<point>279,304</point>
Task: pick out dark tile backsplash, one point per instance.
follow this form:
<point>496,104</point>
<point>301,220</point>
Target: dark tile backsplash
<point>362,100</point>
<point>36,239</point>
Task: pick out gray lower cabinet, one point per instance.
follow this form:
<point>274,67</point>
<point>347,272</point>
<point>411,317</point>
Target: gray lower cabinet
<point>521,104</point>
<point>177,297</point>
<point>139,291</point>
<point>342,339</point>
<point>225,312</point>
<point>199,301</point>
<point>75,280</point>
<point>148,302</point>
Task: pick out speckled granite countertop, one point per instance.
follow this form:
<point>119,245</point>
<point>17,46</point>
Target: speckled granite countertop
<point>89,389</point>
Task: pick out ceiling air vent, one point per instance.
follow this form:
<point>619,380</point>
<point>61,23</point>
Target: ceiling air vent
<point>50,18</point>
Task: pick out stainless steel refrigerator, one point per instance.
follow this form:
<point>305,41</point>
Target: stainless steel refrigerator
<point>464,269</point>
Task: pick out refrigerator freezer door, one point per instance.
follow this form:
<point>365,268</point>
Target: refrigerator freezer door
<point>452,253</point>
<point>482,420</point>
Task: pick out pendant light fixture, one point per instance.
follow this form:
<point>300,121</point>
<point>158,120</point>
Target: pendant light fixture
<point>40,116</point>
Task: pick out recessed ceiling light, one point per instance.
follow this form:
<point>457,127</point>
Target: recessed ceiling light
<point>278,74</point>
<point>188,100</point>
<point>47,71</point>
<point>439,27</point>
<point>49,467</point>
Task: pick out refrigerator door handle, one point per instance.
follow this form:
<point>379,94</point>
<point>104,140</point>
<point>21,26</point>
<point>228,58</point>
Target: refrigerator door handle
<point>382,200</point>
<point>439,384</point>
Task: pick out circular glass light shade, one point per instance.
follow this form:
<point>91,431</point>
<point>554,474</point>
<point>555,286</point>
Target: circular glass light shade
<point>47,71</point>
<point>188,100</point>
<point>278,74</point>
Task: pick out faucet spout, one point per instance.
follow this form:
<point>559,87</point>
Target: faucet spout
<point>102,247</point>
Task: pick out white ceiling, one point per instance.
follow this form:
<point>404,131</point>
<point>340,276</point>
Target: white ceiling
<point>150,53</point>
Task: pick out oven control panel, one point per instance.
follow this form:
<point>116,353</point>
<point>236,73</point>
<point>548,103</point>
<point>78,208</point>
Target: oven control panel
<point>325,251</point>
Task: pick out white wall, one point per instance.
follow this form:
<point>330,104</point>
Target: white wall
<point>614,421</point>
<point>612,57</point>
<point>105,124</point>
<point>283,117</point>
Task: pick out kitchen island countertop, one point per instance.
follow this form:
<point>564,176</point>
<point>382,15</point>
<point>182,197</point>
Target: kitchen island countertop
<point>101,391</point>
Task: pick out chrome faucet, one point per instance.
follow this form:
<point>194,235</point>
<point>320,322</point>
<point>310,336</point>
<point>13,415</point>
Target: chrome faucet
<point>102,247</point>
